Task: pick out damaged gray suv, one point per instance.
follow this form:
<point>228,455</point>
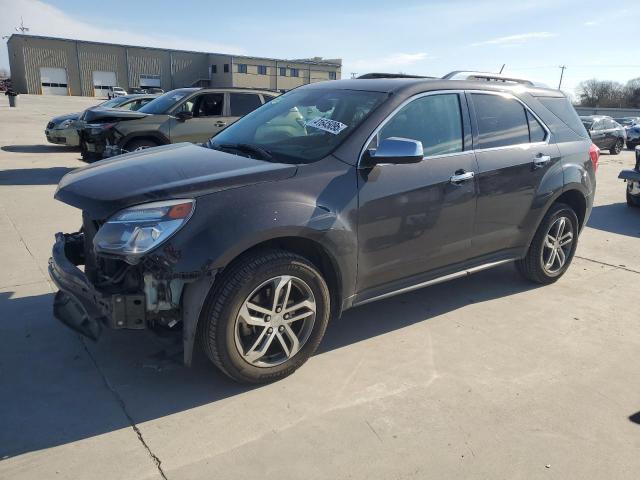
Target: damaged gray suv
<point>333,195</point>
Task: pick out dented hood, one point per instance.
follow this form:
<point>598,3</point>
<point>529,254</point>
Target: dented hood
<point>96,114</point>
<point>182,170</point>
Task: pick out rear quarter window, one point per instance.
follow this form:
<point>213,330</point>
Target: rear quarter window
<point>562,108</point>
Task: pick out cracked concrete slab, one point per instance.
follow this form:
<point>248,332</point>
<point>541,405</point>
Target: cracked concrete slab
<point>484,377</point>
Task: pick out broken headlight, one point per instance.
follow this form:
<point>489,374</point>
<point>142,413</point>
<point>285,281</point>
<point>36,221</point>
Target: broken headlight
<point>134,231</point>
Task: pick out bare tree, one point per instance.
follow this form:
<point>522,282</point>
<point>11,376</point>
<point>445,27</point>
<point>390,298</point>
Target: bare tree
<point>605,93</point>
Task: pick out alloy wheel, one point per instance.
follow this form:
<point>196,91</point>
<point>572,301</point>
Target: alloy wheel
<point>618,147</point>
<point>275,321</point>
<point>557,245</point>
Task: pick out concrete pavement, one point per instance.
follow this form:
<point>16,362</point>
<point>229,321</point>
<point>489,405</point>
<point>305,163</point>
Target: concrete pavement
<point>483,377</point>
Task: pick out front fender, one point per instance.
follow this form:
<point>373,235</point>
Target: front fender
<point>317,205</point>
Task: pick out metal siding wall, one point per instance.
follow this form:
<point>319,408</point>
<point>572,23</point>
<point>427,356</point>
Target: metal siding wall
<point>188,68</point>
<point>16,64</point>
<point>150,62</point>
<point>37,57</point>
<point>100,58</point>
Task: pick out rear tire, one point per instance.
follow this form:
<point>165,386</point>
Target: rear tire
<point>247,322</point>
<point>558,232</point>
<point>139,144</point>
<point>617,148</point>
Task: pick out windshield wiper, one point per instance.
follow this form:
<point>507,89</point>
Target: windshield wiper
<point>246,147</point>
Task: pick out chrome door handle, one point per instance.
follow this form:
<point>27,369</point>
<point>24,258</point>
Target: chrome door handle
<point>461,177</point>
<point>541,160</point>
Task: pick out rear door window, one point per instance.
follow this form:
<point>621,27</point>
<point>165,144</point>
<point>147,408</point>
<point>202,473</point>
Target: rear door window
<point>243,103</point>
<point>434,120</point>
<point>502,121</point>
<point>536,131</point>
<point>209,105</point>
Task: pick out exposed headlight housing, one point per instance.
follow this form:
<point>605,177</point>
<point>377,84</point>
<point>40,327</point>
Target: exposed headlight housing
<point>135,231</point>
<point>65,123</point>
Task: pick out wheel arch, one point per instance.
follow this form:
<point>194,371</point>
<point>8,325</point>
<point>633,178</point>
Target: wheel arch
<point>149,135</point>
<point>572,196</point>
<point>195,293</point>
<point>313,251</point>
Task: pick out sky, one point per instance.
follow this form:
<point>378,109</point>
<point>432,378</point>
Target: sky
<point>533,37</point>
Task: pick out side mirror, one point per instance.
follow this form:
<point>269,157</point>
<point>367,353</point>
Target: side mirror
<point>184,116</point>
<point>394,150</point>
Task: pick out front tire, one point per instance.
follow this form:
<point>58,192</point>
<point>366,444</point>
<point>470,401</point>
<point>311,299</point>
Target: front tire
<point>632,201</point>
<point>265,316</point>
<point>139,144</point>
<point>552,247</point>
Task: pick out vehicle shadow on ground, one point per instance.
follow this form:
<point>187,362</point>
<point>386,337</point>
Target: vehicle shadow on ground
<point>616,218</point>
<point>635,418</point>
<point>33,176</point>
<point>38,148</point>
<point>58,389</point>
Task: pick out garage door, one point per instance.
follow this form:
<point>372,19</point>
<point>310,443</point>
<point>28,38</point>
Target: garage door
<point>103,82</point>
<point>53,81</point>
<point>149,81</point>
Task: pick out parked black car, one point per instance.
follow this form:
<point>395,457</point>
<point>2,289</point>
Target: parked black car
<point>333,195</point>
<point>605,133</point>
<point>632,178</point>
<point>633,137</point>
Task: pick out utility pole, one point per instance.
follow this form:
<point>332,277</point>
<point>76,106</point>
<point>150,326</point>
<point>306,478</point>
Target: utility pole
<point>562,68</point>
<point>354,74</point>
<point>503,65</point>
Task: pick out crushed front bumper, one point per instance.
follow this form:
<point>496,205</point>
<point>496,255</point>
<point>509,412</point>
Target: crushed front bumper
<point>78,304</point>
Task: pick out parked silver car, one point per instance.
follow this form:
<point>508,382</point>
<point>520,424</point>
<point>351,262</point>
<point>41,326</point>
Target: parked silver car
<point>63,130</point>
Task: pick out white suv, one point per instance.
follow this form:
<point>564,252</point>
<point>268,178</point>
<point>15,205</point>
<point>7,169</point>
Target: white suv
<point>116,92</point>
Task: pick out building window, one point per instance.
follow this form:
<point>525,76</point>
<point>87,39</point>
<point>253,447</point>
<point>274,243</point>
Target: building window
<point>332,75</point>
<point>262,69</point>
<point>226,68</point>
<point>214,69</point>
<point>242,68</point>
<point>295,72</point>
<point>283,71</point>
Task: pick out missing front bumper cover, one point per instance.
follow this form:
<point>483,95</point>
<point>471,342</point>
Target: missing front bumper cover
<point>78,304</point>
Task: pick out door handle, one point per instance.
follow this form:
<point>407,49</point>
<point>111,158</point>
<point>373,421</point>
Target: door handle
<point>461,176</point>
<point>541,160</point>
<point>220,124</point>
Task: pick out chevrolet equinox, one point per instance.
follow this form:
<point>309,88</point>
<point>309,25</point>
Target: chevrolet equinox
<point>330,196</point>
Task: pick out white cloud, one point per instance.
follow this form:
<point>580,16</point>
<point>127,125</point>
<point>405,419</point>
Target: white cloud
<point>513,40</point>
<point>591,23</point>
<point>46,20</point>
<point>391,63</point>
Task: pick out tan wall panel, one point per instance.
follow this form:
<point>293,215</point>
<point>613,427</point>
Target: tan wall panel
<point>147,61</point>
<point>104,58</point>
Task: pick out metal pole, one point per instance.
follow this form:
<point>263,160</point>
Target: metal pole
<point>562,67</point>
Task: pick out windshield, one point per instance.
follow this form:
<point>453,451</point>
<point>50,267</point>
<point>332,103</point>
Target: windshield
<point>114,102</point>
<point>165,102</point>
<point>300,126</point>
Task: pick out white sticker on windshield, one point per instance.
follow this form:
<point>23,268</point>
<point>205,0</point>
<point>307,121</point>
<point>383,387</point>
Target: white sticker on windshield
<point>326,124</point>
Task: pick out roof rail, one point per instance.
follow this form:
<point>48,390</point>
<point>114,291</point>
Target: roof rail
<point>486,76</point>
<point>389,75</point>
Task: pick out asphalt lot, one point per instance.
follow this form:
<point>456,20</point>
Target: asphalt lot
<point>485,377</point>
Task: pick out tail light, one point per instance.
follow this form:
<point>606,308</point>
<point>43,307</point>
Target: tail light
<point>594,153</point>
